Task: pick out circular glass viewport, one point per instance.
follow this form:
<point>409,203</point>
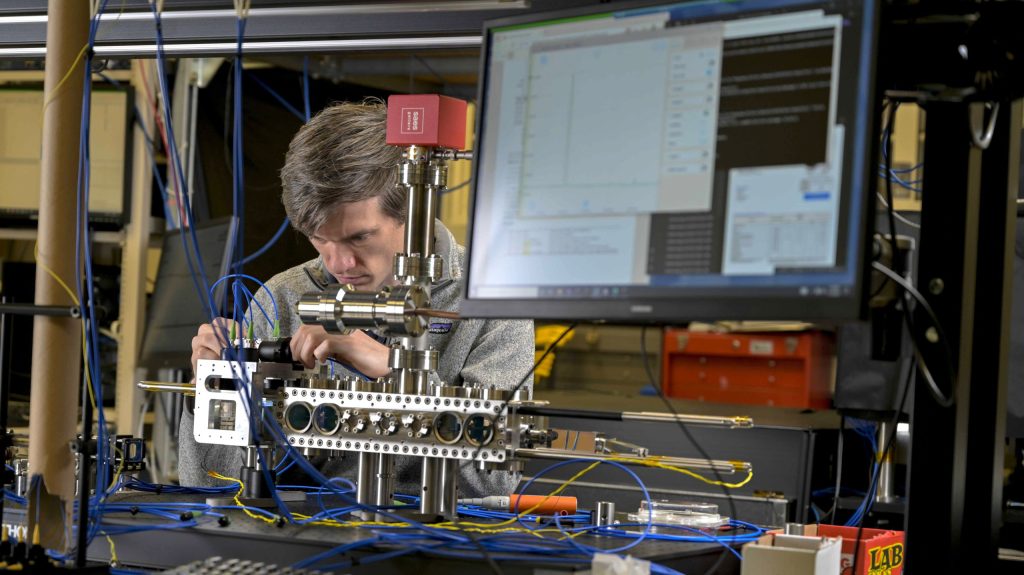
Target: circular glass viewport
<point>298,417</point>
<point>479,430</point>
<point>326,419</point>
<point>448,427</point>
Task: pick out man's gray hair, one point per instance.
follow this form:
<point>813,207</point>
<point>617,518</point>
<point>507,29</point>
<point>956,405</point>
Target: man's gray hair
<point>340,157</point>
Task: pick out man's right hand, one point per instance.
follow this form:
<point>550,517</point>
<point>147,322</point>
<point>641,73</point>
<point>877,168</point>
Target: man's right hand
<point>210,340</point>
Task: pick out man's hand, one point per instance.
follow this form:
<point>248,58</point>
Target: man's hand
<point>311,343</point>
<point>211,339</point>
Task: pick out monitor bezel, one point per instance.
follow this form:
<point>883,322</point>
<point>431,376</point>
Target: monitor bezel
<point>744,305</point>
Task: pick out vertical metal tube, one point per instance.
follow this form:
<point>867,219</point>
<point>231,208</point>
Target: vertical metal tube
<point>385,487</point>
<point>422,383</point>
<point>604,513</point>
<point>411,175</point>
<point>886,485</point>
<point>430,487</point>
<point>251,457</point>
<point>428,202</point>
<point>404,382</point>
<point>412,235</point>
<point>366,478</point>
<point>449,487</point>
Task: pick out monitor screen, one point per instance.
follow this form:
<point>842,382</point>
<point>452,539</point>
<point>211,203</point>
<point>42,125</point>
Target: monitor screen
<point>21,115</point>
<point>175,310</point>
<point>674,162</point>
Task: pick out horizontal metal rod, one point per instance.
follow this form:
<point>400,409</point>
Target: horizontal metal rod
<point>32,309</point>
<point>290,12</point>
<point>686,462</point>
<point>732,421</point>
<point>259,47</point>
<point>168,387</point>
<point>711,494</point>
<point>711,420</point>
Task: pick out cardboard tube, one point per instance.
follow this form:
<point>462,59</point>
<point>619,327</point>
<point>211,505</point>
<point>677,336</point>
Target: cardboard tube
<point>57,342</point>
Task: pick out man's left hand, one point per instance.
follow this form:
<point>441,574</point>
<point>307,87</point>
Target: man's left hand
<point>312,344</point>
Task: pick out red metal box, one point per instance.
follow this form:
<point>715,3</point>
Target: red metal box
<point>426,120</point>
<point>785,369</point>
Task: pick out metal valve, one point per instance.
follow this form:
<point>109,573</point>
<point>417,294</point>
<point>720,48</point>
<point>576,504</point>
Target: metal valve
<point>390,311</point>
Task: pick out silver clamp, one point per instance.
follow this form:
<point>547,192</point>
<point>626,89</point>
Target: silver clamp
<point>415,359</point>
<point>417,267</point>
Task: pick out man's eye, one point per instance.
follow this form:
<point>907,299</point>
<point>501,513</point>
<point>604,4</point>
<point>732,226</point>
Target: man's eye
<point>361,238</point>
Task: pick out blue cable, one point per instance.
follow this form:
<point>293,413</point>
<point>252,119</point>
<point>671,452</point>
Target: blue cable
<point>281,463</point>
<point>280,99</point>
<point>84,250</point>
<point>305,87</point>
<point>286,468</point>
<point>199,280</point>
<point>270,243</point>
<point>699,537</point>
<point>14,497</point>
<point>350,368</point>
<point>239,295</point>
<point>238,188</point>
<point>252,300</point>
<point>273,300</point>
<point>586,548</point>
<point>156,169</point>
<point>304,117</point>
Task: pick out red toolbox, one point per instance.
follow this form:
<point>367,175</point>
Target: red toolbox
<point>785,369</point>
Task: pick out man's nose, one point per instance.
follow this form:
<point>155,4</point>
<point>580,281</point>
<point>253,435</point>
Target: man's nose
<point>340,258</point>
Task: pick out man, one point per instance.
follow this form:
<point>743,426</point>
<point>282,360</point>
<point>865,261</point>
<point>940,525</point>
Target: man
<point>339,189</point>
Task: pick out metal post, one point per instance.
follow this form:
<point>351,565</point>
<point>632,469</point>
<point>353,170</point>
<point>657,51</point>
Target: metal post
<point>366,481</point>
<point>449,487</point>
<point>385,480</point>
<point>886,491</point>
<point>963,272</point>
<point>983,495</point>
<point>430,490</point>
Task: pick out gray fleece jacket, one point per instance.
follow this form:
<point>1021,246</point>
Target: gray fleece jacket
<point>489,352</point>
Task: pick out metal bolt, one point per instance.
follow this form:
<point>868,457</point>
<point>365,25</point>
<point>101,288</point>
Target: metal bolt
<point>936,285</point>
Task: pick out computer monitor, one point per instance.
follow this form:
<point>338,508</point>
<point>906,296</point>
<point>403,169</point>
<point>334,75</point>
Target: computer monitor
<point>21,115</point>
<point>175,308</point>
<point>675,161</point>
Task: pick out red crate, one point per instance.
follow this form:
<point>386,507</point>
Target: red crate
<point>785,369</point>
<point>881,550</point>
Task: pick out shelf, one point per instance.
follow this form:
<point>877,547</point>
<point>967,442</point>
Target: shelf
<point>32,233</point>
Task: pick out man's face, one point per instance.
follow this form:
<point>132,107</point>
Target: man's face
<point>358,243</point>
